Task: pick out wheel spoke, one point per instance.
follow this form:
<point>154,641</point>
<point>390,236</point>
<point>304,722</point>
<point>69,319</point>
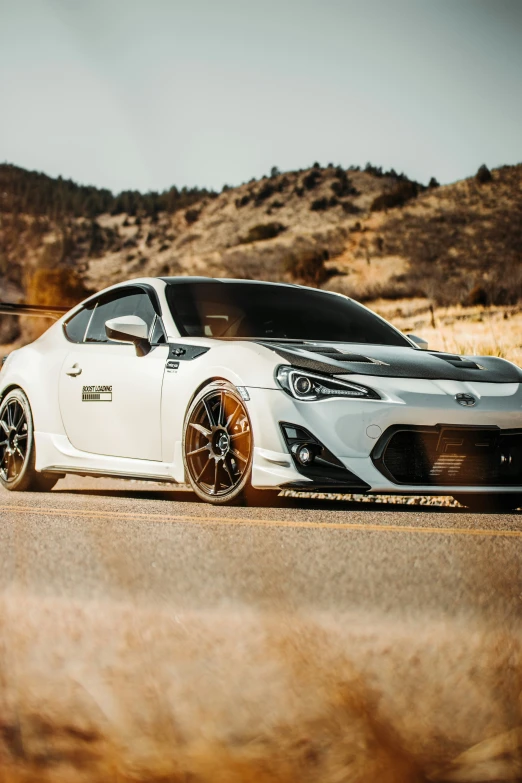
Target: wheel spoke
<point>209,412</point>
<point>227,468</point>
<point>239,434</point>
<point>231,418</point>
<point>221,414</point>
<point>4,426</point>
<point>22,436</point>
<point>17,449</point>
<point>20,420</point>
<point>200,428</point>
<point>205,466</point>
<point>238,455</point>
<point>197,451</point>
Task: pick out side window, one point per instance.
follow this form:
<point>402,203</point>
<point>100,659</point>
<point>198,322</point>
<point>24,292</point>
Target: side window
<point>76,326</point>
<point>127,301</point>
<point>158,333</point>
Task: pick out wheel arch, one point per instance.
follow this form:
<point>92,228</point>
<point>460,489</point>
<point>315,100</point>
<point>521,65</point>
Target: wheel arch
<point>11,387</point>
<point>201,386</point>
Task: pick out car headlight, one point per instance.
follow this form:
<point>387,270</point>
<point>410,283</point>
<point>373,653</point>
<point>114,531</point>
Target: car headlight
<point>308,386</point>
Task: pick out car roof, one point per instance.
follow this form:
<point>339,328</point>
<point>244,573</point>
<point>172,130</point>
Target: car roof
<point>189,279</point>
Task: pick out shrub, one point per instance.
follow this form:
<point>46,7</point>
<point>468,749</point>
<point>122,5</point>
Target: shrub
<point>243,201</point>
<point>264,192</point>
<point>312,179</point>
<point>483,175</point>
<point>350,208</point>
<point>396,197</point>
<point>191,216</point>
<point>376,171</point>
<point>477,296</point>
<point>343,187</point>
<point>324,203</point>
<point>308,267</point>
<point>261,232</point>
<point>433,183</point>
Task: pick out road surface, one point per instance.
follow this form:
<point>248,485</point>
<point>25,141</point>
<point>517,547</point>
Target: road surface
<point>243,620</point>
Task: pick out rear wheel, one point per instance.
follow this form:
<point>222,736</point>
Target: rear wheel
<point>218,447</point>
<point>17,449</point>
<point>491,503</point>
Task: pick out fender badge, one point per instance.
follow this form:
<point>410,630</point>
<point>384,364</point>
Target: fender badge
<point>466,399</point>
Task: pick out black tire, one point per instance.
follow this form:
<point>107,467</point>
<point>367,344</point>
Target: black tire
<point>491,503</point>
<point>218,447</point>
<point>17,448</point>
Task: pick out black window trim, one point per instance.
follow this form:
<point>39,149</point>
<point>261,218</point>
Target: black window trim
<point>97,298</point>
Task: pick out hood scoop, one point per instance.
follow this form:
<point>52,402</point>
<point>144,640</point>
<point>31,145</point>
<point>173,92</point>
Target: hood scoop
<point>458,361</point>
<point>338,355</point>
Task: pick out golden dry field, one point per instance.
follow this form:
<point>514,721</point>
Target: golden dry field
<point>480,331</point>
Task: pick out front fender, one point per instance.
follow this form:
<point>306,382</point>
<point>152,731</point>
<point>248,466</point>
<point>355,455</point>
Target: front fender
<point>241,364</point>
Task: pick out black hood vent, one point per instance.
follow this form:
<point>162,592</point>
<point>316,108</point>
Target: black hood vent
<point>339,356</point>
<point>396,362</point>
<point>458,361</point>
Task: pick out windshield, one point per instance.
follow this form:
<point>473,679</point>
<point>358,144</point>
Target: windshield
<point>270,311</point>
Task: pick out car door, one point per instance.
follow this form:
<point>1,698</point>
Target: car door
<point>110,398</point>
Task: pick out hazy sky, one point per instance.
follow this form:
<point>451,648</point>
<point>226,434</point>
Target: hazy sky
<point>146,94</point>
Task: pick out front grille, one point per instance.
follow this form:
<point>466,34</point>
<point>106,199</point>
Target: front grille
<point>447,455</point>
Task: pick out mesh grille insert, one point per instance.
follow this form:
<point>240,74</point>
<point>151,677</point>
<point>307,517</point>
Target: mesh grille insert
<point>451,456</point>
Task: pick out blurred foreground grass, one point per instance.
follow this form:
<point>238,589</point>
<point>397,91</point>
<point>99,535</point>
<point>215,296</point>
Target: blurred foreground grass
<point>97,692</point>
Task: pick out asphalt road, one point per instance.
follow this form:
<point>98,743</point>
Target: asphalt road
<point>115,539</point>
<point>424,603</point>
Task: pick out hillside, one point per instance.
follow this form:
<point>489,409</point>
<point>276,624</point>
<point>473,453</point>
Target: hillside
<point>363,232</point>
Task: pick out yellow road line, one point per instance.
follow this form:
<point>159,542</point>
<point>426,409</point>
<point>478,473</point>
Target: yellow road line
<point>217,520</point>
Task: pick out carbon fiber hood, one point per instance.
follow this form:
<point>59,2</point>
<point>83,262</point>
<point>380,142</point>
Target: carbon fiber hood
<point>394,362</point>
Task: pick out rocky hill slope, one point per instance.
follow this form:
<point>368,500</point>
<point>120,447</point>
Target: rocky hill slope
<point>363,232</point>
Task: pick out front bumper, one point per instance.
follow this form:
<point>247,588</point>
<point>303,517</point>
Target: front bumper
<point>350,429</point>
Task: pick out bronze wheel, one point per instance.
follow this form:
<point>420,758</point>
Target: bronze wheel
<point>218,444</point>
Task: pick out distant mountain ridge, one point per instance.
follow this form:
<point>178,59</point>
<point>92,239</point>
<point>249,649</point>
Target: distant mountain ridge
<point>367,233</point>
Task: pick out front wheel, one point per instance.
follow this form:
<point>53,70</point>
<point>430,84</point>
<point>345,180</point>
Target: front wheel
<point>218,445</point>
<point>491,503</point>
<point>17,449</point>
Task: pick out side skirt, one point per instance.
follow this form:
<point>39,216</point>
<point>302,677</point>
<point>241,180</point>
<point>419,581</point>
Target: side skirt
<point>56,454</point>
<point>110,474</point>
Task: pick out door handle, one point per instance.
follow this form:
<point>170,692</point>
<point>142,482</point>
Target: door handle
<point>74,370</point>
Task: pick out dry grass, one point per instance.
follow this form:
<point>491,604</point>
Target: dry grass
<point>94,693</point>
<point>480,331</point>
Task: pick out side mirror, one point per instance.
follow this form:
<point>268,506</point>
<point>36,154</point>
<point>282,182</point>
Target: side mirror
<point>419,341</point>
<point>129,329</point>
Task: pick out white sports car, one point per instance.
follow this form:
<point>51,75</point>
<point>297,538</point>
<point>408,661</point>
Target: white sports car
<point>236,386</point>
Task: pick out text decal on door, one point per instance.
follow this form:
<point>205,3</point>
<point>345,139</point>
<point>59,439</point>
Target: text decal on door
<point>97,394</point>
